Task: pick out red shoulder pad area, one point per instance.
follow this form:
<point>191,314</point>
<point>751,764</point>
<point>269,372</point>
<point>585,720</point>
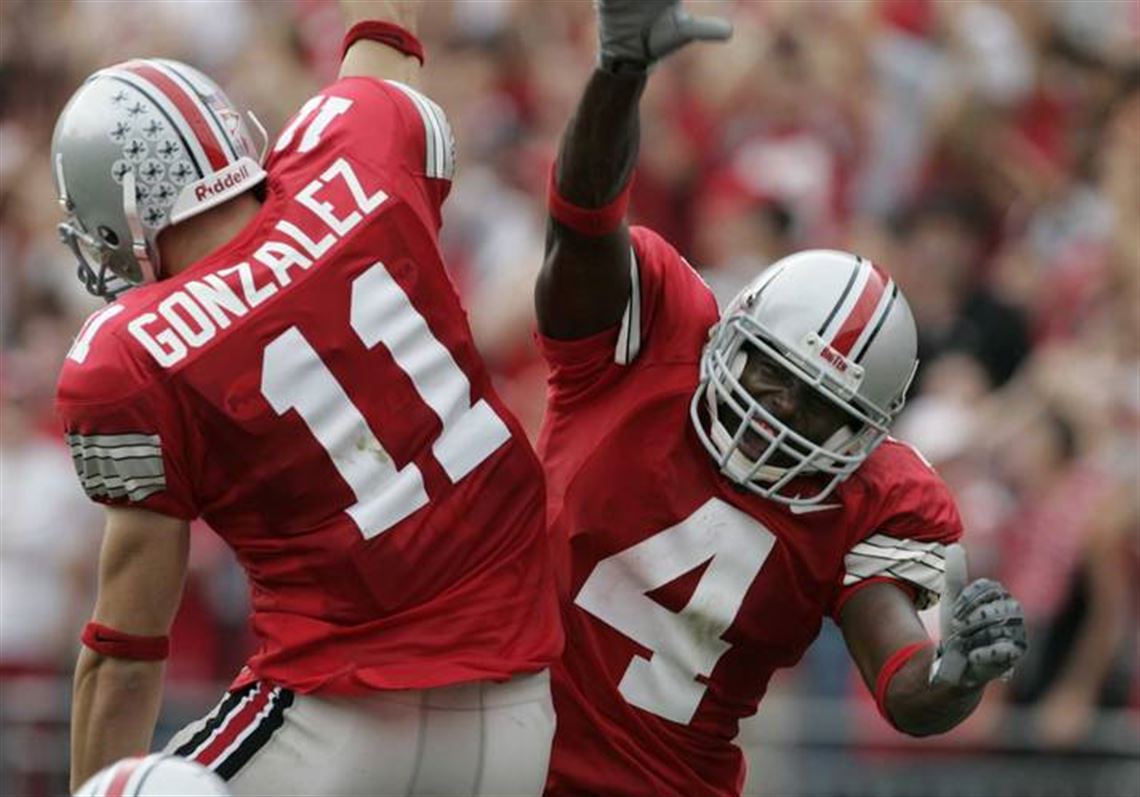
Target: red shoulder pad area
<point>913,517</point>
<point>912,499</point>
<point>392,128</point>
<point>677,308</point>
<point>100,365</point>
<point>123,430</point>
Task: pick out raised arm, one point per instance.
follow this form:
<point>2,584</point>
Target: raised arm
<point>118,678</point>
<point>584,282</point>
<point>381,52</point>
<point>919,689</point>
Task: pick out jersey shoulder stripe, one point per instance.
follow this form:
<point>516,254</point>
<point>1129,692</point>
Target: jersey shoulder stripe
<point>629,338</point>
<point>439,141</point>
<point>921,564</point>
<point>118,466</point>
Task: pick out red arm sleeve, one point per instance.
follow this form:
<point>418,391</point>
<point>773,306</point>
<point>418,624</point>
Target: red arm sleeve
<point>387,124</point>
<point>906,545</point>
<point>129,451</point>
<point>667,319</point>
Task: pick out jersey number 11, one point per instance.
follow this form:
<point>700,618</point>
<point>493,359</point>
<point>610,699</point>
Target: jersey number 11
<point>294,377</point>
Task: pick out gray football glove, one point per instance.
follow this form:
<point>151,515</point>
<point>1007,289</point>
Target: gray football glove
<point>983,628</point>
<point>634,34</point>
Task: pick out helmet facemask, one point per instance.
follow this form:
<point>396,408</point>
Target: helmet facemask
<point>94,262</point>
<point>104,266</point>
<point>751,445</point>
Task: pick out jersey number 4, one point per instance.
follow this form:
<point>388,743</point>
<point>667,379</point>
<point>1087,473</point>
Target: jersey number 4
<point>294,377</point>
<point>686,645</point>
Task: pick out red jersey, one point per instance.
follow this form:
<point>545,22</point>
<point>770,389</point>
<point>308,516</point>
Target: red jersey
<point>683,594</point>
<point>313,392</point>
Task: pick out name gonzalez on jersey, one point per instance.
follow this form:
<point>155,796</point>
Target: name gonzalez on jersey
<point>191,316</point>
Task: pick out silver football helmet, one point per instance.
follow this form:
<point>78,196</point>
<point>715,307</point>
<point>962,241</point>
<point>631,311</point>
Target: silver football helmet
<point>839,324</point>
<point>140,146</point>
<point>155,775</point>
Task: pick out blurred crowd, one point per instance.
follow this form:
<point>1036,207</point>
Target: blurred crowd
<point>986,152</point>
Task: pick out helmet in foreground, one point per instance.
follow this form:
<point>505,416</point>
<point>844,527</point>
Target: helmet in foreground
<point>837,323</point>
<point>140,146</point>
<point>156,775</point>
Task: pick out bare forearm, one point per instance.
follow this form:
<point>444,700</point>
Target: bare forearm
<point>114,710</point>
<point>599,147</point>
<point>584,284</point>
<point>920,708</point>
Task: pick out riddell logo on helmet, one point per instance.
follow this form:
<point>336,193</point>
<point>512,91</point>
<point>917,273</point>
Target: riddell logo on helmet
<point>834,357</point>
<point>222,184</point>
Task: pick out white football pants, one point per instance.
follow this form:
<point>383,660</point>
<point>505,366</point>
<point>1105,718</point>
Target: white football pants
<point>480,738</point>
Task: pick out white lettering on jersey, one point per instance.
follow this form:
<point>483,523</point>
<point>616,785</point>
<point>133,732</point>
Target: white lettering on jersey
<point>324,210</point>
<point>254,294</point>
<point>217,298</point>
<point>164,346</point>
<point>687,644</point>
<point>382,313</point>
<point>315,249</point>
<point>286,137</point>
<point>330,109</point>
<point>82,345</point>
<point>191,317</point>
<point>341,169</point>
<point>205,329</point>
<point>295,378</point>
<point>279,257</point>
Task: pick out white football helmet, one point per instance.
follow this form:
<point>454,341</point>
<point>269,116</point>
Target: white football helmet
<point>835,321</point>
<point>140,146</point>
<point>156,775</point>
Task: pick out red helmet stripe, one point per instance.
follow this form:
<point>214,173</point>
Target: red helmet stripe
<point>123,772</point>
<point>172,70</point>
<point>861,313</point>
<point>187,106</point>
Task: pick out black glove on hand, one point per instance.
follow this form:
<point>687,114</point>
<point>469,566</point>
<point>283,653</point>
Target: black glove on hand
<point>634,34</point>
<point>983,628</point>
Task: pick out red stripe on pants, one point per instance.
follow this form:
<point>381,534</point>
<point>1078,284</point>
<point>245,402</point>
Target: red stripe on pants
<point>240,721</point>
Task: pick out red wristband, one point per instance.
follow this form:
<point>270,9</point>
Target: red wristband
<point>890,667</point>
<point>386,33</point>
<point>118,645</point>
<point>588,221</point>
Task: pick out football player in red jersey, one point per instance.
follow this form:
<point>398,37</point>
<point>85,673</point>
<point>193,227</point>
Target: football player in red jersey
<point>291,364</point>
<point>719,483</point>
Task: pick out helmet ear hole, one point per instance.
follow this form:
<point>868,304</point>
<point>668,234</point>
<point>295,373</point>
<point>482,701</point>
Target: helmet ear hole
<point>109,236</point>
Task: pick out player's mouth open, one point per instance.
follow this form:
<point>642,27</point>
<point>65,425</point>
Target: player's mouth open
<point>753,445</point>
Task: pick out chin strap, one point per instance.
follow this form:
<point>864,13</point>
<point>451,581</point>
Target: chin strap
<point>138,237</point>
<point>64,198</point>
